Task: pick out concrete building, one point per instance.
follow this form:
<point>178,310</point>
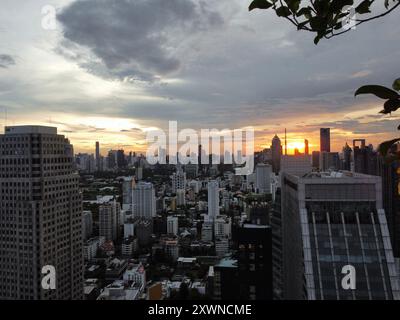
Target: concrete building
<point>40,215</point>
<point>213,199</point>
<point>109,215</point>
<point>263,178</point>
<point>87,224</point>
<point>144,201</point>
<point>172,225</point>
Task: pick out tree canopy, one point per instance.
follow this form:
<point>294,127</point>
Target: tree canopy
<point>327,18</point>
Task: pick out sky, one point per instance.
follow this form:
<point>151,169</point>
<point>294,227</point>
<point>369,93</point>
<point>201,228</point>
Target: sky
<point>111,70</point>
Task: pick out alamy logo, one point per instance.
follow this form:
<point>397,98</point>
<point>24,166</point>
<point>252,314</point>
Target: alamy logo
<point>49,277</point>
<point>349,280</point>
<point>49,20</point>
<point>237,147</point>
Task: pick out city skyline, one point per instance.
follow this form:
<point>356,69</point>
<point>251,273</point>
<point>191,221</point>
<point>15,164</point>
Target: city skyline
<point>77,83</point>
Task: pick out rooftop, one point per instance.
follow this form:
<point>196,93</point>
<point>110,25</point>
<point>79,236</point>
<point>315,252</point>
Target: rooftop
<point>30,129</point>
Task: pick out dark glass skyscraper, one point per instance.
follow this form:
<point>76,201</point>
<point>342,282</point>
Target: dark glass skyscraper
<point>276,150</point>
<point>325,140</point>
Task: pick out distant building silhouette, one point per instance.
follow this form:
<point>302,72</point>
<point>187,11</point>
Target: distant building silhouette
<point>325,140</point>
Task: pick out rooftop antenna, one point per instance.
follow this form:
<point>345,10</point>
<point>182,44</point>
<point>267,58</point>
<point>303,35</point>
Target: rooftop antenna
<point>285,143</point>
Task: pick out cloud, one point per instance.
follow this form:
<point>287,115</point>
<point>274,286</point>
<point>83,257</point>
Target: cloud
<point>132,39</point>
<point>6,61</point>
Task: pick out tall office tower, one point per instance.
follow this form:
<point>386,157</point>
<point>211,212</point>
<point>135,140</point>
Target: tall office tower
<point>391,199</point>
<point>112,159</point>
<point>178,179</point>
<point>347,157</point>
<point>40,215</point>
<point>331,221</point>
<point>255,262</point>
<point>128,185</point>
<point>306,147</point>
<point>121,160</point>
<point>213,199</point>
<point>276,226</point>
<point>144,201</point>
<point>172,225</point>
<point>329,161</point>
<point>263,178</point>
<point>296,164</point>
<point>87,224</point>
<point>109,220</point>
<point>325,140</point>
<point>98,158</point>
<point>276,151</point>
<point>365,158</point>
<point>315,159</point>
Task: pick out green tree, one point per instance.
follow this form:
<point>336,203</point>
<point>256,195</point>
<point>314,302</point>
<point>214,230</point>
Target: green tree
<point>330,18</point>
<point>326,18</point>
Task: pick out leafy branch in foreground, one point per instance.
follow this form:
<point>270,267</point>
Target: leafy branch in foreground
<point>326,18</point>
<point>392,103</point>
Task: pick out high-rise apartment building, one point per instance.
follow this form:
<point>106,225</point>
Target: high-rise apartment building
<point>40,215</point>
<point>333,222</point>
<point>213,199</point>
<point>99,166</point>
<point>109,220</point>
<point>144,201</point>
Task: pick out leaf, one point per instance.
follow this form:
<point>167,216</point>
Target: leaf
<point>283,11</point>
<point>385,146</point>
<point>293,5</point>
<point>396,84</point>
<point>260,4</point>
<point>379,91</point>
<point>363,7</point>
<point>391,105</point>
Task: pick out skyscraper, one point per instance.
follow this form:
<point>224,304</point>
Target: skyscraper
<point>365,158</point>
<point>347,157</point>
<point>213,199</point>
<point>178,179</point>
<point>144,201</point>
<point>390,173</point>
<point>40,215</point>
<point>325,140</point>
<point>127,187</point>
<point>109,220</point>
<point>263,178</point>
<point>331,221</point>
<point>276,151</point>
<point>315,159</point>
<point>255,262</point>
<point>98,159</point>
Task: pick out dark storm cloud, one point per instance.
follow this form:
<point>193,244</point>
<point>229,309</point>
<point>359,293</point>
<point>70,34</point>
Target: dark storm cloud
<point>6,61</point>
<point>133,39</point>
